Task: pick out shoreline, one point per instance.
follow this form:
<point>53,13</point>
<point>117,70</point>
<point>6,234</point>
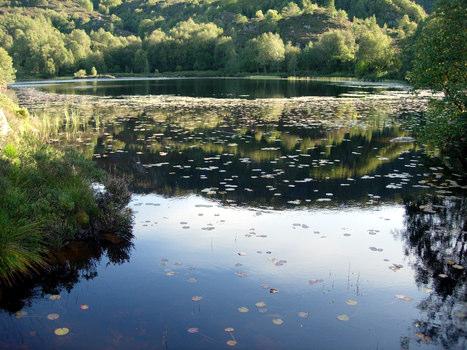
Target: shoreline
<point>211,75</point>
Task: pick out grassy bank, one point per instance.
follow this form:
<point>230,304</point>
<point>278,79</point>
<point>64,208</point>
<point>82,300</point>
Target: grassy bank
<point>47,198</point>
<point>217,74</point>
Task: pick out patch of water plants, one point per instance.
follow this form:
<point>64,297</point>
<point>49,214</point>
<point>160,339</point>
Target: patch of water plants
<point>50,196</point>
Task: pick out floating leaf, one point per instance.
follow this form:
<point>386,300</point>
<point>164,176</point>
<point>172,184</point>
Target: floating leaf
<point>231,342</point>
<point>277,321</point>
<point>20,314</point>
<point>62,331</point>
<point>243,309</point>
<point>196,298</point>
<point>84,307</point>
<point>55,297</point>
<point>273,290</point>
<point>403,297</point>
<point>458,267</point>
<point>260,304</point>
<point>193,330</point>
<point>351,302</point>
<point>53,317</point>
<point>313,282</point>
<point>303,314</point>
<point>343,317</point>
<point>229,329</point>
<point>192,280</point>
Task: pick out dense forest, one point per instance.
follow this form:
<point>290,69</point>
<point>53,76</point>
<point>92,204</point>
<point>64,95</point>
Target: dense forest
<point>366,38</point>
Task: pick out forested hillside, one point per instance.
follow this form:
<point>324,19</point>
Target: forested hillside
<point>48,38</point>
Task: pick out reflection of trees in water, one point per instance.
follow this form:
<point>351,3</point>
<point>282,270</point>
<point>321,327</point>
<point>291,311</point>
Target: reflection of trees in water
<point>77,261</point>
<point>436,236</point>
<point>268,146</point>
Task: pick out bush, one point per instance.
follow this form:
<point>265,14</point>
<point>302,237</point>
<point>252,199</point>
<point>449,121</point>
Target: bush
<point>47,200</point>
<point>7,72</point>
<point>80,74</point>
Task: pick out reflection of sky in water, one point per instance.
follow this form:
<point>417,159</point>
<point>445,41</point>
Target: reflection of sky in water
<point>134,304</point>
<point>371,241</point>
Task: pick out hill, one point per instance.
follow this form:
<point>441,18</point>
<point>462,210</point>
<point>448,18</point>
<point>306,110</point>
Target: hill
<point>142,36</point>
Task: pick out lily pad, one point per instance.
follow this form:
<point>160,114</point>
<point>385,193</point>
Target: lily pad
<point>62,331</point>
<point>278,321</point>
<point>343,317</point>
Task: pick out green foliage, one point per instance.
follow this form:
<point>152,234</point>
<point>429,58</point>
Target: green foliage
<point>444,129</point>
<point>440,52</point>
<point>80,73</point>
<point>376,56</point>
<point>46,199</point>
<point>334,51</point>
<point>142,36</point>
<point>189,46</point>
<point>292,57</point>
<point>439,63</point>
<point>21,248</point>
<point>386,11</point>
<point>7,72</point>
<point>266,52</point>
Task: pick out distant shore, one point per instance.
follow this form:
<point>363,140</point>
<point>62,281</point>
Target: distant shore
<point>216,74</point>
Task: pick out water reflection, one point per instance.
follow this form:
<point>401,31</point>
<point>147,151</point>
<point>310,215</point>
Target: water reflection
<point>317,210</point>
<point>212,87</point>
<point>76,262</point>
<point>436,236</point>
<point>274,156</point>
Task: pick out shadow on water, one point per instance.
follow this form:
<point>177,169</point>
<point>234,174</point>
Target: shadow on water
<point>436,237</point>
<point>76,262</point>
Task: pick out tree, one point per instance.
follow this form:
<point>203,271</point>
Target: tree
<point>376,56</point>
<point>439,63</point>
<point>440,58</point>
<point>87,4</point>
<point>80,74</point>
<point>334,51</point>
<point>292,55</point>
<point>267,51</point>
<point>7,72</point>
<point>141,62</point>
<point>291,10</point>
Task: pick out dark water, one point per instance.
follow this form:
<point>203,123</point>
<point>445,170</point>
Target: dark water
<point>301,225</point>
<point>212,87</point>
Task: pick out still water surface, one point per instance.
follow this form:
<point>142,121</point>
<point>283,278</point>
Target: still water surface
<point>280,224</point>
<point>247,88</point>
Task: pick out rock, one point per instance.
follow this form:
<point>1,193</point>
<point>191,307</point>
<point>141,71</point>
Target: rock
<point>4,126</point>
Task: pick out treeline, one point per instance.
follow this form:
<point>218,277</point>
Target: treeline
<point>306,38</point>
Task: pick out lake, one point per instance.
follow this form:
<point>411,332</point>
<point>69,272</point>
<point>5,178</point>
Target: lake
<point>261,221</point>
<point>247,88</point>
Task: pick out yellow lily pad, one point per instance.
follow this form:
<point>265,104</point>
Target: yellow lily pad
<point>62,331</point>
